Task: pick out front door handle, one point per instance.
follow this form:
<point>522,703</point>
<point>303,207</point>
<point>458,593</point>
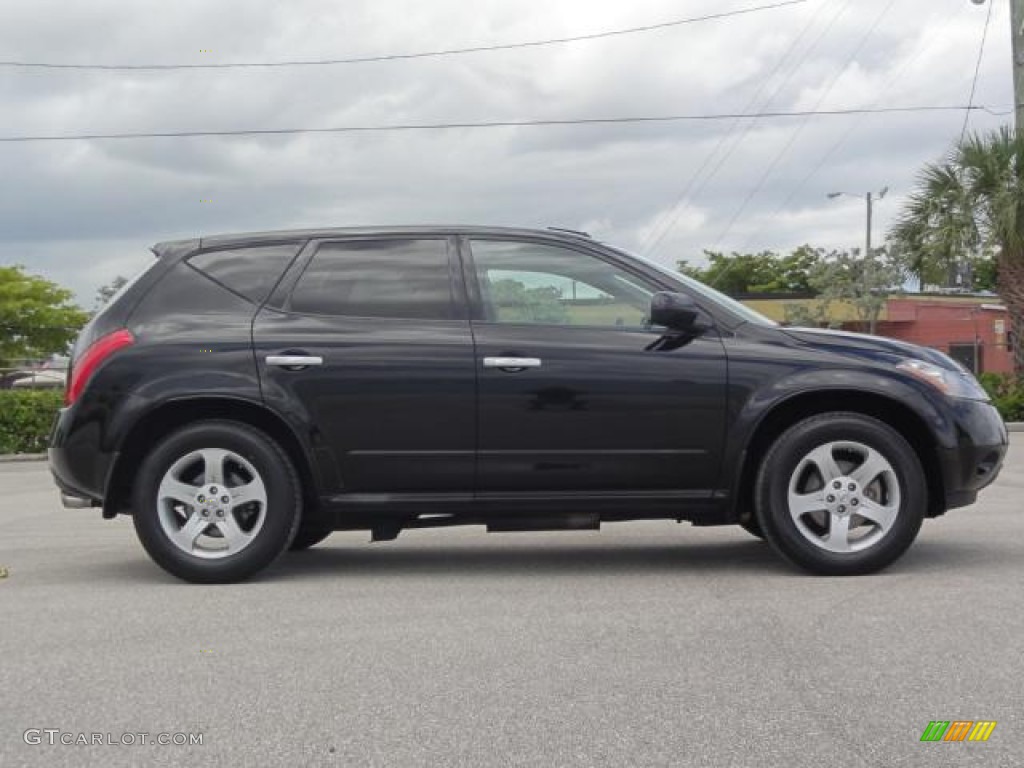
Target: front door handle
<point>512,363</point>
<point>294,361</point>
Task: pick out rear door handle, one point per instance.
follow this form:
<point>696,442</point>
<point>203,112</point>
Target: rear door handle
<point>512,363</point>
<point>294,361</point>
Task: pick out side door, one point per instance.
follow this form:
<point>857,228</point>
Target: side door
<point>577,393</point>
<point>366,347</point>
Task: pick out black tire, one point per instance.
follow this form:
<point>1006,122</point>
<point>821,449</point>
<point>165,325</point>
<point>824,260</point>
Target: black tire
<point>281,515</point>
<point>309,536</point>
<point>783,459</point>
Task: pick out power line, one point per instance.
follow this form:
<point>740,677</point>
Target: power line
<point>923,46</point>
<point>494,124</point>
<point>693,189</point>
<point>843,8</point>
<point>416,55</point>
<point>977,67</point>
<point>796,134</point>
<point>668,222</point>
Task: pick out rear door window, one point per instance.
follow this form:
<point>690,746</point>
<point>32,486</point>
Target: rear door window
<point>392,278</point>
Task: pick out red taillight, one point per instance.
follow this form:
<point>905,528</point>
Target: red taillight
<point>93,358</point>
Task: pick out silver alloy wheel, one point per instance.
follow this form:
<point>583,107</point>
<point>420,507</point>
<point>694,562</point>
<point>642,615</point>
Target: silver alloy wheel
<point>211,503</point>
<point>844,496</point>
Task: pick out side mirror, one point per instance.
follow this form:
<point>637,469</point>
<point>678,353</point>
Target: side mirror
<point>675,311</point>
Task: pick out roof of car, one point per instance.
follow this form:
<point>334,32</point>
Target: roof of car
<point>240,238</point>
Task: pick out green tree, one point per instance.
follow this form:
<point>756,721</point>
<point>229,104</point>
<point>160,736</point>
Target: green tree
<point>37,317</point>
<point>106,292</point>
<point>985,274</point>
<point>764,272</point>
<point>843,276</point>
<point>973,203</point>
<point>934,233</point>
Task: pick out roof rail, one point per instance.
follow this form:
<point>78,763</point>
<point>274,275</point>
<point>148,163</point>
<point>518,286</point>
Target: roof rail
<point>576,232</point>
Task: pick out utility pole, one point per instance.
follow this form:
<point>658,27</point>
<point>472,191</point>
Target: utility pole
<point>868,273</point>
<point>1017,47</point>
<point>1017,38</point>
<point>868,260</point>
<point>869,197</point>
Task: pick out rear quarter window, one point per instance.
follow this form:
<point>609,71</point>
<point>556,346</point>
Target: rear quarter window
<point>250,272</point>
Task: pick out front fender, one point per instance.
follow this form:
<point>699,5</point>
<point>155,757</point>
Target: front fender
<point>751,407</point>
<point>930,406</point>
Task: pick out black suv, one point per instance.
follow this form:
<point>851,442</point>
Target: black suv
<point>249,394</point>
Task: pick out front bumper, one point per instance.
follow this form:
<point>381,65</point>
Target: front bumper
<point>976,460</point>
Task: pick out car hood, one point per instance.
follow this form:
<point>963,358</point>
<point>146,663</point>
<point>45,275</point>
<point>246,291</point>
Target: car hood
<point>874,347</point>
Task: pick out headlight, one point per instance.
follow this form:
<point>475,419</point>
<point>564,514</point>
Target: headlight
<point>960,383</point>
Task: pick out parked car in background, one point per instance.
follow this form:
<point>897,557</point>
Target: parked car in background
<point>49,374</point>
<point>253,393</point>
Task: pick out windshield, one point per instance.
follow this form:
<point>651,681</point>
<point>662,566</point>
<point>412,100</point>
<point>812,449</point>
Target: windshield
<point>744,313</point>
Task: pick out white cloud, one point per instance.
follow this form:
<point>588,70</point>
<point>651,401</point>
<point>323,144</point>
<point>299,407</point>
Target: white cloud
<point>83,212</point>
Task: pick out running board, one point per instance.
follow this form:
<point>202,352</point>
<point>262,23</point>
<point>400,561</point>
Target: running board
<point>388,531</point>
<point>571,522</point>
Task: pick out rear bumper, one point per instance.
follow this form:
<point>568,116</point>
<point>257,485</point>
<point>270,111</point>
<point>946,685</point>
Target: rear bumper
<point>78,466</point>
<point>976,460</point>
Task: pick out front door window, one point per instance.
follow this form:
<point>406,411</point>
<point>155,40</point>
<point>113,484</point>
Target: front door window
<point>523,282</point>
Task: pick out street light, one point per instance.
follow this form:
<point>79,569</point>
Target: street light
<point>869,199</point>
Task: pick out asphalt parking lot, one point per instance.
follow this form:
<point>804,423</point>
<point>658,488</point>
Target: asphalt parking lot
<point>643,644</point>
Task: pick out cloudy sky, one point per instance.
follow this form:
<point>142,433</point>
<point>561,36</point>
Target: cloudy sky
<point>81,212</point>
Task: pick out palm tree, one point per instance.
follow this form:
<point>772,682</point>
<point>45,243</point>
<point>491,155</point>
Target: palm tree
<point>972,202</point>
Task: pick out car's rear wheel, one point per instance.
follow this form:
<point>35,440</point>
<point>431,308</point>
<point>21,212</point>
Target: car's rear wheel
<point>841,494</point>
<point>216,502</point>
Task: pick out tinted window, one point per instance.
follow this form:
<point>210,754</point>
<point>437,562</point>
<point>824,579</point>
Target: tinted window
<point>377,278</point>
<point>251,272</point>
<point>550,285</point>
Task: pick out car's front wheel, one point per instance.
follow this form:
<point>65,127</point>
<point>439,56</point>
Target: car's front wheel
<point>841,494</point>
<point>216,502</point>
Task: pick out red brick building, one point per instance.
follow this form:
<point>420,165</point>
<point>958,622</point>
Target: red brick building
<point>975,330</point>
